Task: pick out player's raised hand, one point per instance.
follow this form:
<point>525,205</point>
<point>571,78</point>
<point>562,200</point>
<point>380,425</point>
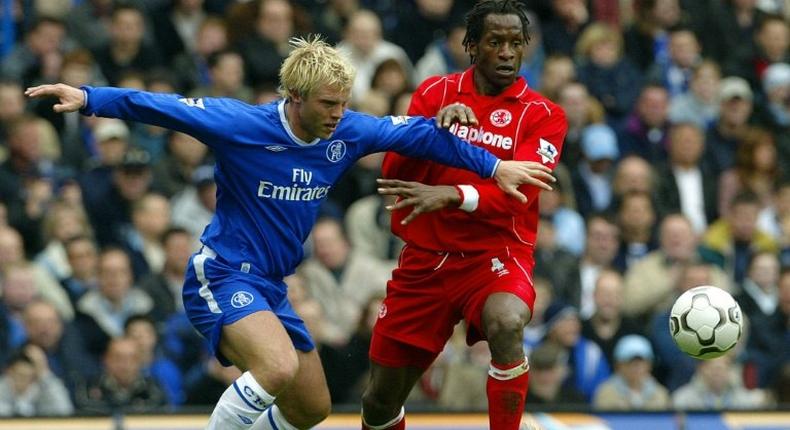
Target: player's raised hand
<point>424,198</point>
<point>456,112</point>
<point>510,174</point>
<point>70,99</point>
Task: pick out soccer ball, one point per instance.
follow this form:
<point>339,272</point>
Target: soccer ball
<point>705,322</point>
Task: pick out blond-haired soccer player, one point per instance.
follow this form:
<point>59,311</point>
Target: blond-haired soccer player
<point>275,166</point>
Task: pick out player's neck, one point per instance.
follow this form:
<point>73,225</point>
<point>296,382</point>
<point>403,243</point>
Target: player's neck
<point>485,87</point>
<point>292,116</point>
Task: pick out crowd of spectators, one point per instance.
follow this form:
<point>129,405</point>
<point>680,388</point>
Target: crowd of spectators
<point>675,173</point>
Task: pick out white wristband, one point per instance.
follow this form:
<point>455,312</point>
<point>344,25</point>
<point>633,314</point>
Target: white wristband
<point>469,198</point>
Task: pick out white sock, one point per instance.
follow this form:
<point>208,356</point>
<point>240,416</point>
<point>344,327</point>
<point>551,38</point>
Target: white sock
<point>240,405</point>
<point>272,419</point>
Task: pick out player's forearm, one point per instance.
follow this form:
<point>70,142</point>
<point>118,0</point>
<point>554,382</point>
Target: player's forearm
<point>443,147</point>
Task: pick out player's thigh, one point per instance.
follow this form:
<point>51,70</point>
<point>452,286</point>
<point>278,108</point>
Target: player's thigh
<point>258,342</point>
<point>306,401</point>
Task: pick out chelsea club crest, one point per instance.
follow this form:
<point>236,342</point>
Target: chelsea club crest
<point>335,151</point>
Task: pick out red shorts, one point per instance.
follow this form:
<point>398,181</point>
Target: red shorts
<point>431,292</point>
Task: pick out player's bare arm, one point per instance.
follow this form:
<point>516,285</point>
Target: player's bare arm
<point>70,99</point>
<point>456,112</point>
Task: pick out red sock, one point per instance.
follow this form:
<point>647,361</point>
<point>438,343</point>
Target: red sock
<point>506,398</point>
<point>400,425</point>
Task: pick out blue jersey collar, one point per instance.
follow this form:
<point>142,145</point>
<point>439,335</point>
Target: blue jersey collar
<point>284,120</point>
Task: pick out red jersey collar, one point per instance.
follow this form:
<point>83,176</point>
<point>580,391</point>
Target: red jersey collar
<point>466,85</point>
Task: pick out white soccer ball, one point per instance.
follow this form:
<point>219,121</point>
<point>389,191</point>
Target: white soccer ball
<point>705,322</point>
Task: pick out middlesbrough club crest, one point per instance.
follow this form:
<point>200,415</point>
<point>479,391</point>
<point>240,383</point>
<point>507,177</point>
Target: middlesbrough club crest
<point>501,117</point>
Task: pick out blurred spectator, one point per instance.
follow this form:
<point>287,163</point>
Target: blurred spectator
<point>674,367</point>
<point>647,40</point>
<point>194,206</point>
<point>363,43</point>
<point>608,324</point>
<point>561,32</point>
<point>601,247</point>
<point>164,286</point>
<point>176,26</point>
<point>731,241</point>
<point>82,257</point>
<point>725,135</point>
<point>717,385</point>
<point>644,131</point>
<point>367,222</point>
<point>768,335</point>
<point>39,58</point>
<point>331,19</point>
<point>12,257</point>
<point>581,109</point>
<point>340,279</point>
<point>558,266</point>
<point>110,205</point>
<point>62,222</point>
<point>684,55</point>
<point>534,53</point>
<point>418,24</point>
<point>29,388</point>
<point>103,312</point>
<point>445,56</point>
<point>110,141</point>
<point>775,112</point>
<point>587,363</point>
<point>632,387</point>
<point>700,105</point>
<point>730,28</point>
<point>535,331</point>
<point>18,291</point>
<point>759,296</point>
<point>771,43</point>
<point>267,46</point>
<point>213,381</point>
<point>60,342</point>
<point>226,77</point>
<point>774,217</point>
<point>548,369</point>
<point>558,71</point>
<point>174,172</point>
<point>89,21</point>
<point>633,175</point>
<point>685,185</point>
<point>122,385</point>
<point>126,50</point>
<point>143,240</point>
<point>155,365</point>
<point>568,224</point>
<point>592,181</point>
<point>12,106</point>
<point>650,284</point>
<point>358,182</point>
<point>191,67</point>
<point>605,71</point>
<point>390,78</point>
<point>636,217</point>
<point>756,170</point>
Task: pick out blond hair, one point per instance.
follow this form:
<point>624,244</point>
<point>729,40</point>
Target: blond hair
<point>313,64</point>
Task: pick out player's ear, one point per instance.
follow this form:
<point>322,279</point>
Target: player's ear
<point>295,97</point>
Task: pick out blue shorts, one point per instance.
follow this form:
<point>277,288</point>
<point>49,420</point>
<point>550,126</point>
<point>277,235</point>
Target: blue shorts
<point>216,295</point>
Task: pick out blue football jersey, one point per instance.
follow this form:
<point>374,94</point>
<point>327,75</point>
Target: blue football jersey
<point>270,183</point>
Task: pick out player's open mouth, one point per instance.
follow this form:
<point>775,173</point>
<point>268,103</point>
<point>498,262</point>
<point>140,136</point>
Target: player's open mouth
<point>505,70</point>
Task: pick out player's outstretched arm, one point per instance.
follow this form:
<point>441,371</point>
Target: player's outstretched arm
<point>70,99</point>
<point>510,174</point>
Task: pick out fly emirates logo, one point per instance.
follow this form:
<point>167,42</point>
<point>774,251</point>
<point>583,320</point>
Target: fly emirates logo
<point>299,190</point>
<point>480,135</point>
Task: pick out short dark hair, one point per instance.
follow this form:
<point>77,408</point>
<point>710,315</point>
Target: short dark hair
<point>475,19</point>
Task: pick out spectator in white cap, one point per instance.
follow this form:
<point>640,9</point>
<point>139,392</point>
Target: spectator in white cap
<point>724,136</point>
<point>592,181</point>
<point>632,387</point>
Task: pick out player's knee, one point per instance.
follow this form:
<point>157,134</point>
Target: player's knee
<point>504,325</point>
<point>312,413</point>
<point>276,374</point>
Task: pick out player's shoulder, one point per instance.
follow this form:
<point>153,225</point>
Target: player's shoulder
<point>437,84</point>
<point>545,107</point>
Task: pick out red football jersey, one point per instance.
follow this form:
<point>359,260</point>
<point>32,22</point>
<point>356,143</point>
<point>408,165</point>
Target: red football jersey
<point>518,124</point>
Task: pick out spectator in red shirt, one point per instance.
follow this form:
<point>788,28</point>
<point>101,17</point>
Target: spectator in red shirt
<point>470,254</point>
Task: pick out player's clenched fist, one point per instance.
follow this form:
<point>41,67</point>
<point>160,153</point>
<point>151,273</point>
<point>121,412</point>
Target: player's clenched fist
<point>70,99</point>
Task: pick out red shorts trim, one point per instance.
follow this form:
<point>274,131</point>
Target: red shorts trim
<point>431,292</point>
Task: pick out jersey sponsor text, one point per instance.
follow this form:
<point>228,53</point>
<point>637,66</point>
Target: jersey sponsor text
<point>480,135</point>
